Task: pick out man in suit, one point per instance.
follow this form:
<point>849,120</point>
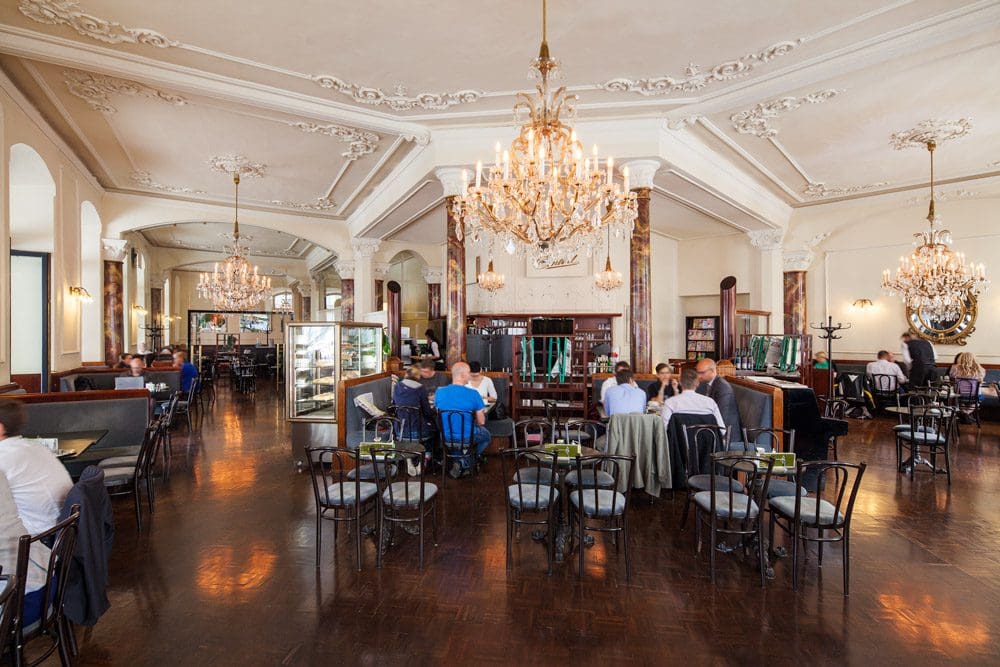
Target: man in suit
<point>719,390</point>
<point>922,358</point>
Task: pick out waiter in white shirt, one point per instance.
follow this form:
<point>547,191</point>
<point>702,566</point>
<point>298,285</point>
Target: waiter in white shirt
<point>689,401</point>
<point>37,479</point>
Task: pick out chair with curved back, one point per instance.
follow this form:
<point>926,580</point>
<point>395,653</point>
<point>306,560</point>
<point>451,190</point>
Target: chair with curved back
<point>405,496</point>
<point>583,431</point>
<point>8,609</point>
<point>967,399</point>
<point>885,390</point>
<point>339,497</point>
<point>834,408</point>
<point>374,429</point>
<point>532,433</point>
<point>534,497</point>
<point>40,613</point>
<point>457,429</point>
<point>932,430</point>
<point>608,506</point>
<point>414,427</point>
<point>701,441</point>
<point>771,439</point>
<point>797,514</point>
<point>128,479</point>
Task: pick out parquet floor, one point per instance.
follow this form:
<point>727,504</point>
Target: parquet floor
<point>225,575</point>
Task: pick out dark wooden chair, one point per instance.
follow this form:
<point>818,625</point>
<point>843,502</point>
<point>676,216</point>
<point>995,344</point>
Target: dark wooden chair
<point>532,433</point>
<point>834,408</point>
<point>412,426</point>
<point>831,521</point>
<point>701,441</point>
<point>457,429</point>
<point>885,390</point>
<point>375,429</point>
<point>8,610</point>
<point>770,440</point>
<point>608,507</point>
<point>46,619</point>
<point>128,479</point>
<point>931,430</point>
<point>405,497</point>
<point>968,398</point>
<point>339,497</point>
<point>530,497</point>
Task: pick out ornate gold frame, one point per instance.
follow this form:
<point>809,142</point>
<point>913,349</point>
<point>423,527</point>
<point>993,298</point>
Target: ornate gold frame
<point>955,334</point>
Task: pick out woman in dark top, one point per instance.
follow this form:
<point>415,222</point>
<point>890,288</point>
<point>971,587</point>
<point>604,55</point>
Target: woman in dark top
<point>411,393</point>
<point>434,350</point>
<point>664,387</point>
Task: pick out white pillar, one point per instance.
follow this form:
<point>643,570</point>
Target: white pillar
<point>767,290</point>
<point>317,301</point>
<point>364,276</point>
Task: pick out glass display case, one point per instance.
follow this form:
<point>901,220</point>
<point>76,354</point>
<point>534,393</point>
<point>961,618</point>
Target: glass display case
<point>319,356</point>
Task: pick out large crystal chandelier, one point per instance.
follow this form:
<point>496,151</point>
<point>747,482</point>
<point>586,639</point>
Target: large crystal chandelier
<point>543,197</point>
<point>933,279</point>
<point>236,285</point>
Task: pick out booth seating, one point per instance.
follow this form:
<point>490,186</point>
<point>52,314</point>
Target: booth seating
<point>123,413</point>
<point>351,418</point>
<point>643,380</point>
<point>11,388</point>
<point>105,380</point>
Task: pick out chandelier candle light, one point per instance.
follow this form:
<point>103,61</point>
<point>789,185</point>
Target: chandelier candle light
<point>238,285</point>
<point>543,197</point>
<point>608,279</point>
<point>934,279</point>
<point>491,281</point>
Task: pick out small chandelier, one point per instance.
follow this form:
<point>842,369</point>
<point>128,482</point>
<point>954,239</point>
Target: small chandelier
<point>542,197</point>
<point>237,285</point>
<point>491,281</point>
<point>608,279</point>
<point>934,279</point>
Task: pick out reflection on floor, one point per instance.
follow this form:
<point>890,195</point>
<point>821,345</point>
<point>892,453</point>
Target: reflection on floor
<point>225,574</point>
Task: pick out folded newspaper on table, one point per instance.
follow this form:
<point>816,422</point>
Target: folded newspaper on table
<point>782,460</point>
<point>564,451</point>
<point>365,448</point>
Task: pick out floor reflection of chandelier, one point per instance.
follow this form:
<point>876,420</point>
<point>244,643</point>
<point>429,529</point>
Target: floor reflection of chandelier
<point>543,197</point>
<point>934,279</point>
<point>491,281</point>
<point>236,285</point>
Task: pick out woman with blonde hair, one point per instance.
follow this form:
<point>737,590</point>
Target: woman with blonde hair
<point>967,368</point>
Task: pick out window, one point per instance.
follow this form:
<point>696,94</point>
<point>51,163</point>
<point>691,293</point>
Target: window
<point>282,301</point>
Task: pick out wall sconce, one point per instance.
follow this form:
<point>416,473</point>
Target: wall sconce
<point>82,295</point>
<point>862,304</point>
<point>139,310</point>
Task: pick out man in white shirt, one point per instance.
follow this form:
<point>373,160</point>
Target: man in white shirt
<point>613,381</point>
<point>625,397</point>
<point>37,480</point>
<point>887,366</point>
<point>690,401</point>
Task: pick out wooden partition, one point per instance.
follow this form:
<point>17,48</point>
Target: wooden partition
<point>76,396</point>
<point>342,401</point>
<point>777,398</point>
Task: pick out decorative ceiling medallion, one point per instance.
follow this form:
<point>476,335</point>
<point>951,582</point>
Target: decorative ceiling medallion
<point>95,90</point>
<point>397,100</point>
<point>767,239</point>
<point>145,179</point>
<point>321,204</point>
<point>942,196</point>
<point>237,164</point>
<point>818,190</point>
<point>361,142</point>
<point>755,120</point>
<point>67,12</point>
<point>935,130</point>
<point>694,79</point>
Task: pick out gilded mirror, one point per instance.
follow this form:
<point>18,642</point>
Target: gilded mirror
<point>952,332</point>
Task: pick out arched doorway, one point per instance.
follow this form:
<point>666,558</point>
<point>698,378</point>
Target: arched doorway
<point>406,268</point>
<point>32,224</point>
<point>92,340</point>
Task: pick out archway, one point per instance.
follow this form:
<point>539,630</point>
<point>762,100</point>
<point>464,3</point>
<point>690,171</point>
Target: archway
<point>92,339</point>
<point>32,238</point>
<point>406,268</point>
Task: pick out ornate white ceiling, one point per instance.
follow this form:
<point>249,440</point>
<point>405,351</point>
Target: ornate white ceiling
<point>328,99</point>
<point>207,236</point>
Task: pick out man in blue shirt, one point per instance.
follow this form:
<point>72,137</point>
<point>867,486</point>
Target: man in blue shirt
<point>458,396</point>
<point>625,397</point>
<point>188,371</point>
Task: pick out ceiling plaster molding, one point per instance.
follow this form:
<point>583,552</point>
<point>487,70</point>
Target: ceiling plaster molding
<point>145,179</point>
<point>451,180</point>
<point>686,121</point>
<point>694,79</point>
<point>380,270</point>
<point>67,13</point>
<point>360,142</point>
<point>799,260</point>
<point>95,90</point>
<point>114,250</point>
<point>686,203</point>
<point>641,172</point>
<point>767,239</point>
<point>237,164</point>
<point>344,268</point>
<point>397,100</point>
<point>817,190</point>
<point>946,195</point>
<point>934,129</point>
<point>365,248</point>
<point>755,120</point>
<point>321,204</point>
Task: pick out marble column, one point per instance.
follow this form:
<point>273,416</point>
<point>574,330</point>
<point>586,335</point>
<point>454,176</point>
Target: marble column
<point>379,270</point>
<point>728,335</point>
<point>345,269</point>
<point>433,277</point>
<point>451,179</point>
<point>364,277</point>
<point>796,264</point>
<point>394,316</point>
<point>641,173</point>
<point>767,288</point>
<point>113,252</point>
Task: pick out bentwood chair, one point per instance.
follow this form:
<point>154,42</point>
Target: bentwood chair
<point>608,507</point>
<point>413,426</point>
<point>187,403</point>
<point>457,429</point>
<point>125,479</point>
<point>831,521</point>
<point>8,610</point>
<point>931,430</point>
<point>968,398</point>
<point>533,433</point>
<point>40,613</point>
<point>375,429</point>
<point>834,408</point>
<point>339,498</point>
<point>583,431</point>
<point>885,390</point>
<point>534,497</point>
<point>734,510</point>
<point>701,441</point>
<point>770,440</point>
<point>405,497</point>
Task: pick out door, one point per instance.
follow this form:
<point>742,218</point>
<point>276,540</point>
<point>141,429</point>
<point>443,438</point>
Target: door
<point>29,309</point>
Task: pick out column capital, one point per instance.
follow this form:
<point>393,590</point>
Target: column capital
<point>365,248</point>
<point>114,250</point>
<point>800,260</point>
<point>301,288</point>
<point>641,172</point>
<point>380,270</point>
<point>451,180</point>
<point>345,268</point>
<point>432,274</point>
<point>767,239</point>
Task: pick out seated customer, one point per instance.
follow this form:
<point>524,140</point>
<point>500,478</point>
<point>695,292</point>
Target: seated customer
<point>431,380</point>
<point>611,381</point>
<point>625,397</point>
<point>457,396</point>
<point>822,361</point>
<point>409,393</point>
<point>966,367</point>
<point>664,387</point>
<point>188,371</point>
<point>123,361</point>
<point>719,390</point>
<point>37,479</point>
<point>689,401</point>
<point>482,383</point>
<point>886,366</point>
<point>136,369</point>
<point>11,528</point>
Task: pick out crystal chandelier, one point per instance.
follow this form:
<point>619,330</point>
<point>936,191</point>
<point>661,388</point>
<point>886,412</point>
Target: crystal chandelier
<point>608,279</point>
<point>934,279</point>
<point>236,285</point>
<point>542,197</point>
<point>491,281</point>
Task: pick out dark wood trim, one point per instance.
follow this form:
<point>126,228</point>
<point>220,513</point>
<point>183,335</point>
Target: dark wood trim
<point>88,364</point>
<point>10,386</point>
<point>58,375</point>
<point>75,396</point>
<point>342,401</point>
<point>531,316</point>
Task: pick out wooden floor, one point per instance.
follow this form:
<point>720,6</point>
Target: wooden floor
<point>224,575</point>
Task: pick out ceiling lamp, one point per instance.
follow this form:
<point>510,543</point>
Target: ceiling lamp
<point>542,197</point>
<point>491,281</point>
<point>934,279</point>
<point>608,279</point>
<point>237,285</point>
